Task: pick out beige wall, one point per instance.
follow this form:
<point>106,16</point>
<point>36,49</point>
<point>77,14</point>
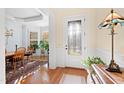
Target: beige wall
<point>98,41</point>
<point>89,15</point>
<point>95,38</point>
<point>103,39</point>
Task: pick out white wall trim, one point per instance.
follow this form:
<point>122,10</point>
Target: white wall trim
<point>106,56</point>
<point>52,38</point>
<point>2,47</point>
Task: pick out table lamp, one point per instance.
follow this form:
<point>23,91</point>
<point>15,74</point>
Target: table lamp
<point>110,22</point>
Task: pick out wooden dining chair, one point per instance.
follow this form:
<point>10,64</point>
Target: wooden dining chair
<point>32,50</point>
<point>18,58</point>
<point>23,49</point>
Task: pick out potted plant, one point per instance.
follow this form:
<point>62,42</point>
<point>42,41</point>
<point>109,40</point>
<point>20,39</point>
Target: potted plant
<point>44,45</point>
<point>36,48</point>
<point>92,60</point>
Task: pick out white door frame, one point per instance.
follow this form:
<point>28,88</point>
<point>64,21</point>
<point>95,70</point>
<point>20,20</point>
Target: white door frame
<point>52,39</point>
<point>72,18</point>
<point>2,47</point>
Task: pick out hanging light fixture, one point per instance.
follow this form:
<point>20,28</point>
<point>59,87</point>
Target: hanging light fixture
<point>9,32</point>
<point>112,20</point>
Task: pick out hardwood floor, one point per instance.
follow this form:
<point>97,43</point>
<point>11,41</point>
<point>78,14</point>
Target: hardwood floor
<point>43,75</point>
<point>41,58</point>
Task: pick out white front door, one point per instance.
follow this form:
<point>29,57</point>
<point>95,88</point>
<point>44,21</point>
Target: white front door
<point>74,40</point>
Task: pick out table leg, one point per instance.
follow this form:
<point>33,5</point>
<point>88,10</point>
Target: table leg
<point>14,67</point>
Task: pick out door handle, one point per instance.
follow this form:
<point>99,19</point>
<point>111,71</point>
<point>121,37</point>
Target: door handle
<point>66,47</point>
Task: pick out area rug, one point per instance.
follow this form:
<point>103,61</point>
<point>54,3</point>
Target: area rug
<point>29,67</point>
<point>72,79</point>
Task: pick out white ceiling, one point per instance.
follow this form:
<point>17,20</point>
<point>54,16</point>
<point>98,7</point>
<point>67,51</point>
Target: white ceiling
<point>22,12</point>
<point>29,16</point>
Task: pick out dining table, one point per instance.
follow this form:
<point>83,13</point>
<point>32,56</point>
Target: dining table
<point>9,56</point>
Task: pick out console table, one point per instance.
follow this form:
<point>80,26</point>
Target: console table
<point>104,77</point>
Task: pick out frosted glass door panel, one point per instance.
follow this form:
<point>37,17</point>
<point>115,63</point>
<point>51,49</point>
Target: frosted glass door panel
<point>74,37</point>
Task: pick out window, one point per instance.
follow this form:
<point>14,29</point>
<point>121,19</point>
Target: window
<point>74,37</point>
<point>33,38</point>
<point>44,36</point>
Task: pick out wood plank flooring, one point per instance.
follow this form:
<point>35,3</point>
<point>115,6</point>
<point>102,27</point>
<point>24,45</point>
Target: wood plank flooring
<point>43,75</point>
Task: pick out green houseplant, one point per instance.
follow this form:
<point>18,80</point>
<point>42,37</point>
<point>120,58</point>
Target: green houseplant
<point>44,45</point>
<point>92,60</point>
<point>34,46</point>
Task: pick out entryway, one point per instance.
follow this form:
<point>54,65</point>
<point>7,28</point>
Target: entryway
<point>74,40</point>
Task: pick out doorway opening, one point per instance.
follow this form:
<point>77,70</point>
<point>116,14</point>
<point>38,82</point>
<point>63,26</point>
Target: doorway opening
<point>29,31</point>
